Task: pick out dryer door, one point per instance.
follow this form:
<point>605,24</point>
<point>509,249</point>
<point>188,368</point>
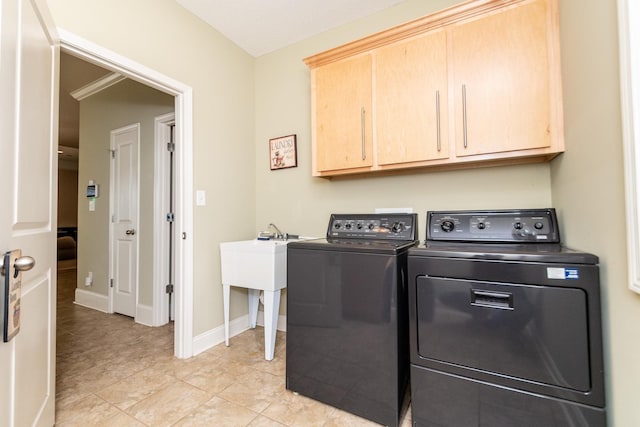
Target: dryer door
<point>533,333</point>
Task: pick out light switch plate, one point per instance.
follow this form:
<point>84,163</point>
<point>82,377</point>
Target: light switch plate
<point>201,198</point>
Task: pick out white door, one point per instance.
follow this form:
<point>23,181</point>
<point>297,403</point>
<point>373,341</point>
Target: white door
<point>124,218</point>
<point>29,64</point>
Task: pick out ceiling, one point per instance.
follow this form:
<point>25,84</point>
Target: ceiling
<point>263,26</point>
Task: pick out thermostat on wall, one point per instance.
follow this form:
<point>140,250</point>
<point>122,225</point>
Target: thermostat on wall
<point>92,190</point>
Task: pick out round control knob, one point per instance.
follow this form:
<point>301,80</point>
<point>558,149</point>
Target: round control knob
<point>336,226</point>
<point>538,225</point>
<point>397,227</point>
<point>447,226</point>
<point>526,232</point>
<point>359,226</point>
<point>370,226</point>
<point>481,226</point>
<point>517,226</point>
<point>348,226</point>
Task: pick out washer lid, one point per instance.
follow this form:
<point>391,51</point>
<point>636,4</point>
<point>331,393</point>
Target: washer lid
<point>355,245</point>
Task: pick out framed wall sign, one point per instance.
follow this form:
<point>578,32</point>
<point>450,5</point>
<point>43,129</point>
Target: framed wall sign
<point>283,152</point>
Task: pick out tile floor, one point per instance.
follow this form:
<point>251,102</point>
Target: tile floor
<point>114,372</point>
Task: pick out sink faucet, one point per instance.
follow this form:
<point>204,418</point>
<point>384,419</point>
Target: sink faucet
<point>279,234</point>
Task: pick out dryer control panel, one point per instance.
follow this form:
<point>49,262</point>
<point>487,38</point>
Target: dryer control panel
<point>509,226</point>
<point>373,226</point>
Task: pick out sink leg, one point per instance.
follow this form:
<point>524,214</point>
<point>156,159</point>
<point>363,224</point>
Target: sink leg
<point>254,302</point>
<point>225,297</point>
<point>271,308</point>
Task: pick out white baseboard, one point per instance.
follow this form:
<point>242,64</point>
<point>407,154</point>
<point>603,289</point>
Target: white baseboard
<point>144,315</point>
<point>282,321</point>
<point>238,325</point>
<point>202,342</point>
<point>215,336</point>
<point>92,300</point>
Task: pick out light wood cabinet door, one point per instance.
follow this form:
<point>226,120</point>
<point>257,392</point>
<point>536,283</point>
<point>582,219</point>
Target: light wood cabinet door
<point>411,96</point>
<point>475,84</point>
<point>343,114</point>
<point>502,81</point>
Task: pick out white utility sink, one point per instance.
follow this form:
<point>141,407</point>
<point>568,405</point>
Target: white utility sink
<point>258,265</point>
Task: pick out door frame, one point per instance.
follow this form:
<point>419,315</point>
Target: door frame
<point>629,42</point>
<point>162,183</point>
<point>90,52</point>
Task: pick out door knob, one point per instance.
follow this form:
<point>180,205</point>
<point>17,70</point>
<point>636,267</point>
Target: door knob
<point>24,263</point>
<point>130,232</point>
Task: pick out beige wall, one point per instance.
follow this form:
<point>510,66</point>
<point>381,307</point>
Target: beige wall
<point>121,105</point>
<point>588,186</point>
<point>67,197</point>
<point>240,103</point>
<point>163,36</point>
<point>300,204</point>
<point>585,184</point>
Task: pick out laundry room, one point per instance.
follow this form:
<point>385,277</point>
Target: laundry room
<point>582,183</point>
<point>255,161</point>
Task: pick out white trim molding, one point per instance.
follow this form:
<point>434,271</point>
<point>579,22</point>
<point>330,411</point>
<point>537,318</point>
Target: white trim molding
<point>92,300</point>
<point>629,40</point>
<point>215,336</point>
<point>89,51</point>
<point>161,190</point>
<point>97,86</point>
<point>144,315</point>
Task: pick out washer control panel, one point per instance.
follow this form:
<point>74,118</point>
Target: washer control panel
<point>513,225</point>
<point>373,226</point>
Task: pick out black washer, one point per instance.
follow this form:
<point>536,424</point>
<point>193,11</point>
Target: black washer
<point>347,315</point>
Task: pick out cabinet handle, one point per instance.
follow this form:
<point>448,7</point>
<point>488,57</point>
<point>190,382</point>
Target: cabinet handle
<point>364,152</point>
<point>438,117</point>
<point>464,115</point>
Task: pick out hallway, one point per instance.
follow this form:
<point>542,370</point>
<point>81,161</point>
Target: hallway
<point>114,372</point>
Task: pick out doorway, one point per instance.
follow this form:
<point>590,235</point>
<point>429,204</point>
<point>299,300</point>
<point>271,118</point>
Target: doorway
<point>183,271</point>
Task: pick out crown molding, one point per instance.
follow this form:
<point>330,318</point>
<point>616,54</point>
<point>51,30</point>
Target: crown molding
<point>97,86</point>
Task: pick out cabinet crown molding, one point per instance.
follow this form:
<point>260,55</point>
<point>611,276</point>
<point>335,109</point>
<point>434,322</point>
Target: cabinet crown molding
<point>477,84</point>
<point>457,13</point>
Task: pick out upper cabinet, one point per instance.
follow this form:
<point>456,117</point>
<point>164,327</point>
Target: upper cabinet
<point>501,81</point>
<point>343,114</point>
<point>476,84</point>
<point>411,94</point>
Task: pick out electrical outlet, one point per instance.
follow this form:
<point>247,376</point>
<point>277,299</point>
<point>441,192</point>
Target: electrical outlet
<point>88,281</point>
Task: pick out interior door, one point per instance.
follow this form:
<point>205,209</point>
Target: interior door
<point>29,61</point>
<point>124,214</point>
